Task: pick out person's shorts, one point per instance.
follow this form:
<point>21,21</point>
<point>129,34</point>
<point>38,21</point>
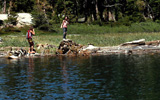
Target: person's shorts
<point>30,41</point>
<point>64,29</point>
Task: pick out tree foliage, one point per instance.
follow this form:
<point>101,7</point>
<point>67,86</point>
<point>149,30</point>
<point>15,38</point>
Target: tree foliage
<point>90,11</point>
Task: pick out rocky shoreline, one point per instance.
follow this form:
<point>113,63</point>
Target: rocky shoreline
<point>134,47</point>
<point>70,48</point>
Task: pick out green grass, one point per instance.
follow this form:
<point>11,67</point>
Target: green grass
<point>112,39</point>
<point>96,29</point>
<point>84,34</point>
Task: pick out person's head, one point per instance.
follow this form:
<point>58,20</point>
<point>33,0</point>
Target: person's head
<point>31,28</point>
<point>66,18</point>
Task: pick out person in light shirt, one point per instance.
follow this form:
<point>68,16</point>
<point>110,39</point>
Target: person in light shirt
<point>64,26</point>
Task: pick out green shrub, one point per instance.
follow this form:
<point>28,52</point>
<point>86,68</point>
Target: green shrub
<point>42,23</point>
<point>1,22</point>
<point>12,19</point>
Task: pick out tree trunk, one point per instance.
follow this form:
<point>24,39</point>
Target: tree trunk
<point>97,11</point>
<point>107,14</point>
<point>44,11</point>
<point>4,7</point>
<point>89,19</point>
<point>116,14</point>
<point>76,2</point>
<point>86,11</point>
<point>37,1</point>
<point>64,7</point>
<point>10,6</point>
<point>94,16</point>
<point>113,16</point>
<point>85,18</point>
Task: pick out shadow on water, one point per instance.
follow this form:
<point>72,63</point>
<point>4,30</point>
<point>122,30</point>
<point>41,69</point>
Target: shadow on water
<point>111,77</point>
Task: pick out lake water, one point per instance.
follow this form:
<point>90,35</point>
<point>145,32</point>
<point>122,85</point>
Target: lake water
<point>109,77</point>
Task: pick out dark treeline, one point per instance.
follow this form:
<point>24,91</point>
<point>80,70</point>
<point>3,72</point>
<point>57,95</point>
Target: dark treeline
<point>90,11</point>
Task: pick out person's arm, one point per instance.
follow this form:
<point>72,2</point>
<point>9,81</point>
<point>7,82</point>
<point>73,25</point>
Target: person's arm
<point>62,24</point>
<point>33,32</point>
<point>68,21</point>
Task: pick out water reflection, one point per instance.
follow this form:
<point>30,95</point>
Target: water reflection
<point>30,70</point>
<point>65,76</point>
<point>109,77</point>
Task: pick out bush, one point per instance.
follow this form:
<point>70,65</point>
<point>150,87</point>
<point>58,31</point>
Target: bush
<point>12,19</point>
<point>125,21</point>
<point>1,22</point>
<point>10,29</point>
<point>42,23</point>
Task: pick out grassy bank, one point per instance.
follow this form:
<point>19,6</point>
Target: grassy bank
<point>96,39</point>
<point>116,28</point>
<point>84,34</point>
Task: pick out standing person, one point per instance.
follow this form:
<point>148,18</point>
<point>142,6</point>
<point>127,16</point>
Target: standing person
<point>30,33</point>
<point>64,26</point>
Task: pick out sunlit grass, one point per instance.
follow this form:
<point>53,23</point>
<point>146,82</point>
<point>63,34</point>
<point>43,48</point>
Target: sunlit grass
<point>84,34</point>
<point>112,39</point>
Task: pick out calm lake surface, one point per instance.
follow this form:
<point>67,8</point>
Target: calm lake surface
<point>109,77</point>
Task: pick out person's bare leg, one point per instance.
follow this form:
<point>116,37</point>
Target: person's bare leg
<point>29,50</point>
<point>32,51</point>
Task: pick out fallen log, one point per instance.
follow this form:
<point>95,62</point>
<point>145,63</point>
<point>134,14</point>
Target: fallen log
<point>153,43</point>
<point>134,43</point>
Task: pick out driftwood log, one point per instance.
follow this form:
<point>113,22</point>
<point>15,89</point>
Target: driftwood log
<point>153,43</point>
<point>141,42</point>
<point>134,43</point>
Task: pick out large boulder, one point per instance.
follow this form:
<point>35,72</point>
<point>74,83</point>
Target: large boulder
<point>3,17</point>
<point>24,19</point>
<point>68,47</point>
